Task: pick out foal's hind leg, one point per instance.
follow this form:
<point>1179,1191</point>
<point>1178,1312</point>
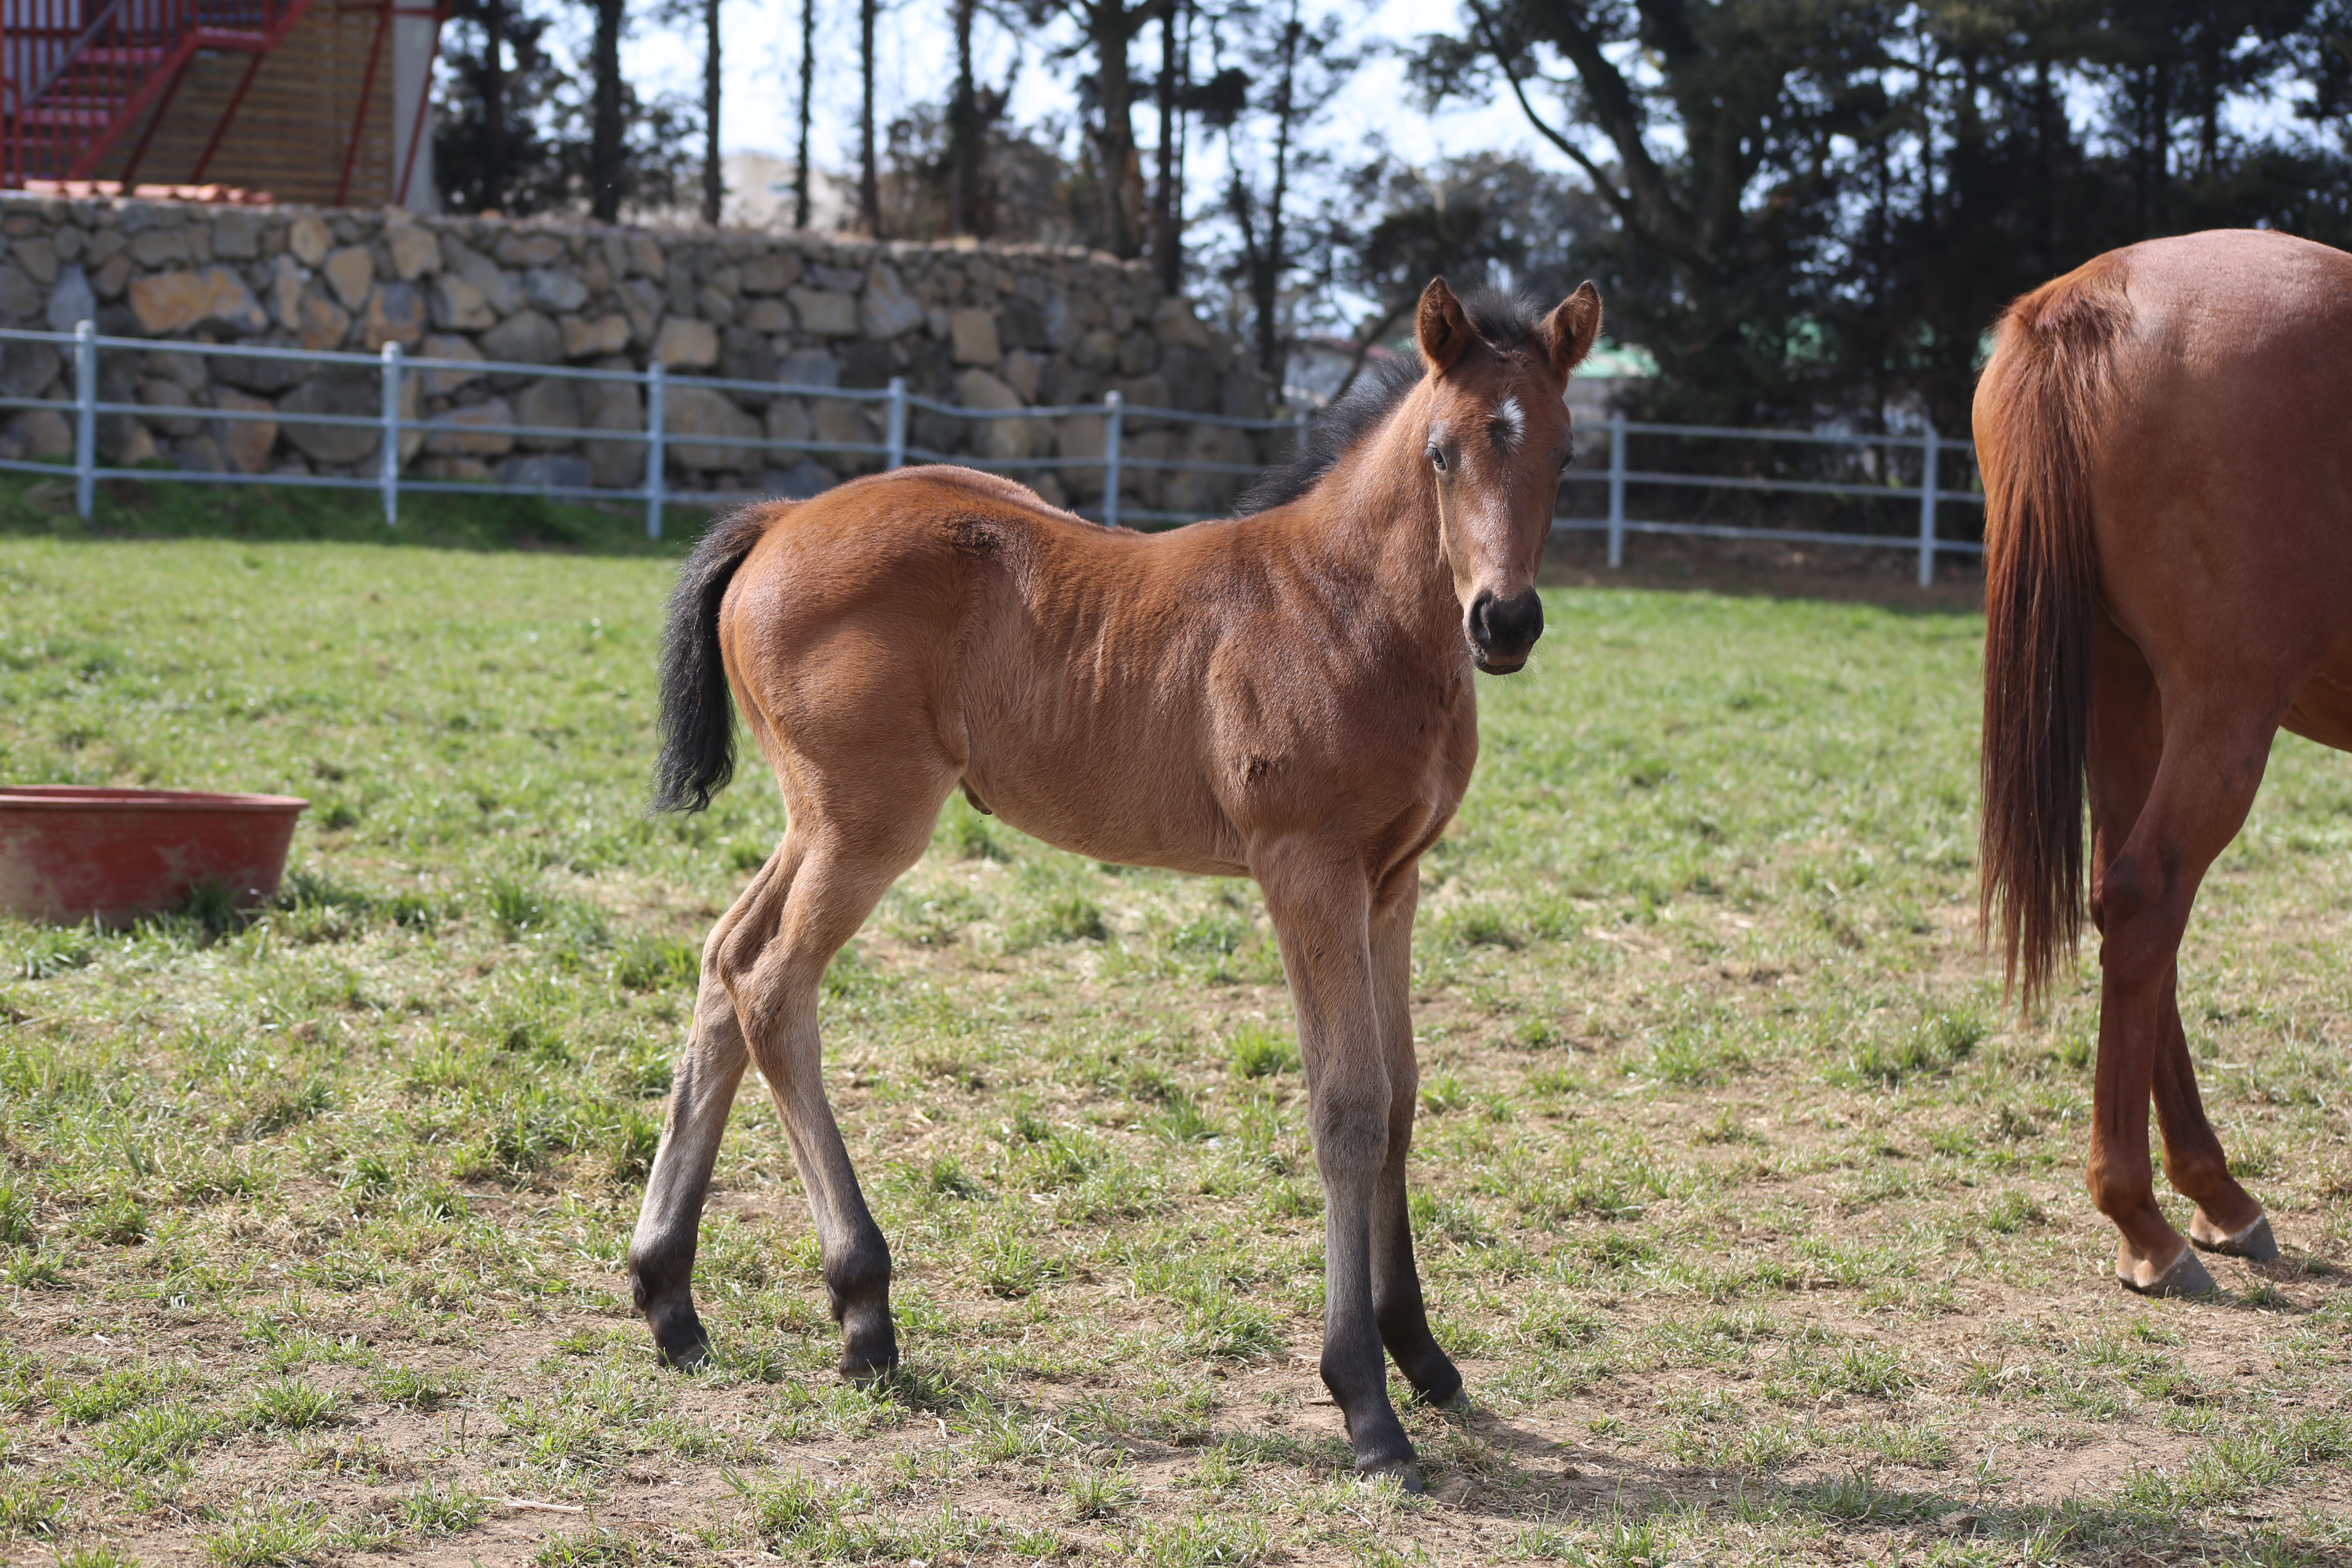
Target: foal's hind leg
<point>661,1254</point>
<point>1397,1303</point>
<point>851,850</point>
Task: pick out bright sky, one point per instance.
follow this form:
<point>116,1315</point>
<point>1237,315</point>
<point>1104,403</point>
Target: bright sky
<point>758,97</point>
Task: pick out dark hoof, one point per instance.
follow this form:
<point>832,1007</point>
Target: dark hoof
<point>685,1350</point>
<point>2187,1276</point>
<point>2255,1244</point>
<point>1455,1404</point>
<point>870,1352</point>
<point>1406,1473</point>
<point>678,1338</point>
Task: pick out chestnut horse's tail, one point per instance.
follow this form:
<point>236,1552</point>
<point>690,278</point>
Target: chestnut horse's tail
<point>698,720</point>
<point>2039,410</point>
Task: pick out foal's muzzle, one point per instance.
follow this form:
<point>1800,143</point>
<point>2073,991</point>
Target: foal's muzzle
<point>1504,631</point>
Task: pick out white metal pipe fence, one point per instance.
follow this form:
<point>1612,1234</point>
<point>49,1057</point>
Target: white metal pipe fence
<point>1928,491</point>
<point>400,434</point>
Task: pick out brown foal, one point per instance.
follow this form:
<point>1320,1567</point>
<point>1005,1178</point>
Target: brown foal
<point>1285,695</point>
<point>2165,436</point>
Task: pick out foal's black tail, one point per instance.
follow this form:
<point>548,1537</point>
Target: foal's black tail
<point>698,721</point>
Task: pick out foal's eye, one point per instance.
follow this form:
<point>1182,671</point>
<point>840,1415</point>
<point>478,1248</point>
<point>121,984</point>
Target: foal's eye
<point>1438,457</point>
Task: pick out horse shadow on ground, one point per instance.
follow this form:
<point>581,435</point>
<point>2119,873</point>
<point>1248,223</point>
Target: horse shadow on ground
<point>1630,1502</point>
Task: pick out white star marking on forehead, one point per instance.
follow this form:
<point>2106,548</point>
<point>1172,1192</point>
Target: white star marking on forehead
<point>1510,422</point>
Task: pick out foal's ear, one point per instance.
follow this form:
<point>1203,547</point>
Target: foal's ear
<point>1569,331</point>
<point>1444,330</point>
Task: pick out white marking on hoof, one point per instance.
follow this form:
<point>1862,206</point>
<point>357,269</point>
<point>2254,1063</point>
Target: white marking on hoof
<point>2187,1276</point>
<point>2255,1242</point>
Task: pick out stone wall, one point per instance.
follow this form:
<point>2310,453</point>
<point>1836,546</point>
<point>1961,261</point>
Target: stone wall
<point>995,327</point>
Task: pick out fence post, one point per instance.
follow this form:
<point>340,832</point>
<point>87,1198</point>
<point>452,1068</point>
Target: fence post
<point>388,465</point>
<point>85,418</point>
<point>1112,404</point>
<point>897,438</point>
<point>656,418</point>
<point>1299,441</point>
<point>1616,489</point>
<point>1928,509</point>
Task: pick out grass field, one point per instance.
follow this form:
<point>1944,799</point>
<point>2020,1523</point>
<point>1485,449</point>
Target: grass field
<point>1754,1220</point>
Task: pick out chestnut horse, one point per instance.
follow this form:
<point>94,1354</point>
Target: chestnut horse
<point>1285,695</point>
<point>2165,437</point>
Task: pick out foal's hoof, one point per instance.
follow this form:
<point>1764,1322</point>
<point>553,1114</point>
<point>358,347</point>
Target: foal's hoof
<point>2255,1242</point>
<point>1406,1473</point>
<point>1455,1404</point>
<point>2187,1276</point>
<point>679,1341</point>
<point>870,1352</point>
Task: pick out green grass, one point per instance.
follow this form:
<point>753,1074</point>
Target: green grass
<point>1754,1218</point>
<point>34,507</point>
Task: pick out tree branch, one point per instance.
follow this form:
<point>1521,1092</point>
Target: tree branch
<point>1607,187</point>
<point>1650,205</point>
<point>1616,109</point>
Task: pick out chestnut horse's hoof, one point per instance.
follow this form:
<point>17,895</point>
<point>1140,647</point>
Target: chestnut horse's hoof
<point>2187,1276</point>
<point>1406,1473</point>
<point>2255,1242</point>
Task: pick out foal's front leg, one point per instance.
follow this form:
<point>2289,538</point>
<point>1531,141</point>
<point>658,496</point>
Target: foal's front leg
<point>1321,906</point>
<point>1397,1301</point>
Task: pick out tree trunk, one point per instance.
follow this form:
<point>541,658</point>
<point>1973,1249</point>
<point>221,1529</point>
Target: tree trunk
<point>605,127</point>
<point>869,182</point>
<point>1112,25</point>
<point>1266,285</point>
<point>494,105</point>
<point>2209,127</point>
<point>2161,163</point>
<point>808,87</point>
<point>714,183</point>
<point>2045,164</point>
<point>1167,199</point>
<point>963,132</point>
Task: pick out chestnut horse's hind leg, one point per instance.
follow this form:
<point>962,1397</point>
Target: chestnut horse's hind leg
<point>2196,798</point>
<point>2127,744</point>
<point>1321,902</point>
<point>1397,1304</point>
<point>2228,1219</point>
<point>661,1254</point>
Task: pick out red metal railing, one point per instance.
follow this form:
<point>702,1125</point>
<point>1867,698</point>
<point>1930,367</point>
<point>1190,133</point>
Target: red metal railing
<point>77,75</point>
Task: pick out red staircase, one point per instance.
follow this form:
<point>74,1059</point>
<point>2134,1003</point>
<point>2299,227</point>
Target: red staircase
<point>76,76</point>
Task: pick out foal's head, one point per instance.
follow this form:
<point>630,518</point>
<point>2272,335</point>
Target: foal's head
<point>1495,435</point>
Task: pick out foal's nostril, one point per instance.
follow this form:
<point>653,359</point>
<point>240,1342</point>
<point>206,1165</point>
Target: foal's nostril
<point>1505,626</point>
<point>1521,620</point>
<point>1481,630</point>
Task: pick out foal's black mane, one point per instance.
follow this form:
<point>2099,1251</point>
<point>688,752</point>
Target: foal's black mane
<point>1505,321</point>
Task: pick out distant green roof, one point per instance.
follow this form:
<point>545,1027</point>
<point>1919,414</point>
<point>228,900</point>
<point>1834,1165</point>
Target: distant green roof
<point>1618,361</point>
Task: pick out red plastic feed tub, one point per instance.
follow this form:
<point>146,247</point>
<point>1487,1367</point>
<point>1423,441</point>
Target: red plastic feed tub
<point>69,852</point>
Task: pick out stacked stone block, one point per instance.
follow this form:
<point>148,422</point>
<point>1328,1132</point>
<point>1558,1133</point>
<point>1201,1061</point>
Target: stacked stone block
<point>983,327</point>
